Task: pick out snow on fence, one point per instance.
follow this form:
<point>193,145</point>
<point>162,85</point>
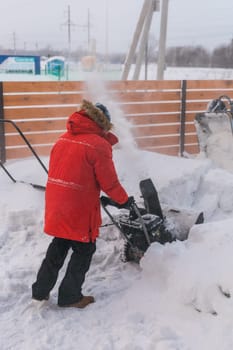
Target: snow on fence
<point>161,113</point>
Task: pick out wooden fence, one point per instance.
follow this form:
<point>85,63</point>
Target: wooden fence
<point>161,113</point>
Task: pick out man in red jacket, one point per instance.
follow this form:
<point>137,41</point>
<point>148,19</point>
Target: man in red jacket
<point>80,167</point>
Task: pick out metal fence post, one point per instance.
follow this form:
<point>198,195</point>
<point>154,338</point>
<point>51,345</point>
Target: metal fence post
<point>2,127</point>
<point>183,116</point>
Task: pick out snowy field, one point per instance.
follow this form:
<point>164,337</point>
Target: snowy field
<point>180,297</point>
<point>113,72</point>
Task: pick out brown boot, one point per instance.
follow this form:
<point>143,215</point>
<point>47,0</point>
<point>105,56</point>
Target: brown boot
<point>82,303</point>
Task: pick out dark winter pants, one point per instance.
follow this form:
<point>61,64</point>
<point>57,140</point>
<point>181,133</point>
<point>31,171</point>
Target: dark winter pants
<point>70,290</point>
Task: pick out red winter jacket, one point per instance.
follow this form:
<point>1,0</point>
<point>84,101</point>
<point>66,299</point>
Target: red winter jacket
<point>80,167</point>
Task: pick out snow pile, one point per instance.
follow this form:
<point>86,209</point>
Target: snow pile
<point>204,286</point>
<point>180,297</point>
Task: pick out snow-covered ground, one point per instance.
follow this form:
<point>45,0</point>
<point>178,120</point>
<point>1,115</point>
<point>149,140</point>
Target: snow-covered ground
<point>113,72</point>
<point>180,297</point>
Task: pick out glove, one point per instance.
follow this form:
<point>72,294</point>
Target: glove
<point>105,201</point>
<point>128,204</point>
<point>108,201</point>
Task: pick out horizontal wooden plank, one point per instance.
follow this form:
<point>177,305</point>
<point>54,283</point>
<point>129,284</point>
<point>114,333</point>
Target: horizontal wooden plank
<point>143,85</point>
<point>191,138</point>
<point>43,86</point>
<point>192,149</point>
<point>49,112</point>
<point>24,152</point>
<point>139,96</point>
<point>46,99</point>
<point>157,141</point>
<point>191,115</point>
<point>33,139</point>
<point>190,128</point>
<point>151,108</point>
<point>164,130</point>
<point>155,130</point>
<point>51,86</point>
<point>160,118</point>
<point>42,112</point>
<point>154,119</point>
<point>196,106</point>
<point>37,125</point>
<point>206,94</point>
<point>76,98</point>
<point>160,130</point>
<point>170,151</point>
<point>209,84</point>
<point>174,150</point>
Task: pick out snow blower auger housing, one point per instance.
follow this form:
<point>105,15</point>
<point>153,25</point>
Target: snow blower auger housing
<point>140,226</point>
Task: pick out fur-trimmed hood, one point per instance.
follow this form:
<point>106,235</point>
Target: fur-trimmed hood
<point>96,115</point>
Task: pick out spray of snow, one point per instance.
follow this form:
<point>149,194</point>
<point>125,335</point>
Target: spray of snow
<point>129,160</point>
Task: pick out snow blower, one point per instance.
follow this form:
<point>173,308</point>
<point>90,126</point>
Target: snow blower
<point>140,226</point>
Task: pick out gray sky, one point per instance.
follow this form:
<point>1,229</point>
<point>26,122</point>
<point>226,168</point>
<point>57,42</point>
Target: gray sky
<point>41,22</point>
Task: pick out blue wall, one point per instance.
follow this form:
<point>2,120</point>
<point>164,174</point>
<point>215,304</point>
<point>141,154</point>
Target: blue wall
<point>35,58</point>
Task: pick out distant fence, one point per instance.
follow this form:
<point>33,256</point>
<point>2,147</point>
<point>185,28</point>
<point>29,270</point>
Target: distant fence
<point>161,112</point>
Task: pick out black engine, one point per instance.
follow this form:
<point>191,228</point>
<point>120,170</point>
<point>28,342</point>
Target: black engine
<point>133,230</point>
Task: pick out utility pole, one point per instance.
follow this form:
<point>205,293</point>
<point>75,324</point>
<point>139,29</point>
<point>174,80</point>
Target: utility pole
<point>133,47</point>
<point>69,42</point>
<point>146,60</point>
<point>141,34</point>
<point>88,27</point>
<point>106,38</point>
<point>144,39</point>
<point>69,24</point>
<point>162,40</point>
<point>88,31</point>
<point>14,43</point>
<point>69,31</point>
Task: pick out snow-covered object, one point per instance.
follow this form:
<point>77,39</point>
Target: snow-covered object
<point>214,131</point>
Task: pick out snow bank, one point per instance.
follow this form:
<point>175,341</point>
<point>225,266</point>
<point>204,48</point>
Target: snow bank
<point>180,297</point>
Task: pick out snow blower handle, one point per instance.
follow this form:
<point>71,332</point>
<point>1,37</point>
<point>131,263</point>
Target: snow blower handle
<point>105,201</point>
<point>137,211</point>
<point>108,201</point>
